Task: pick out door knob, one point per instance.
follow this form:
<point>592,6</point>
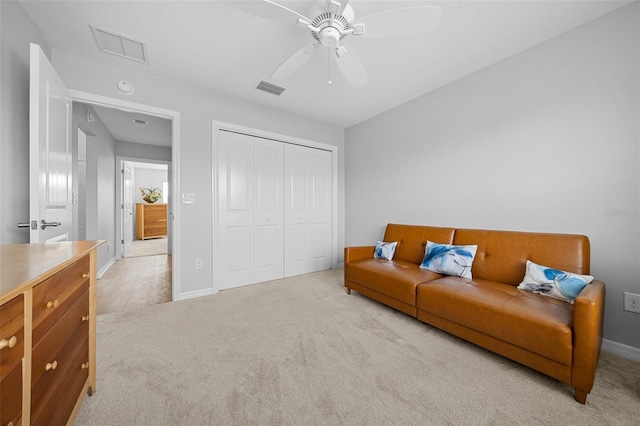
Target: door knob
<point>33,225</point>
<point>44,224</point>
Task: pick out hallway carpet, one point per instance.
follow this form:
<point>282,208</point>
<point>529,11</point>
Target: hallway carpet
<point>133,282</point>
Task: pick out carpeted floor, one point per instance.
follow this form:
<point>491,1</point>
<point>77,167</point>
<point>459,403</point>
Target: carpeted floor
<point>150,247</point>
<point>133,282</point>
<point>300,351</point>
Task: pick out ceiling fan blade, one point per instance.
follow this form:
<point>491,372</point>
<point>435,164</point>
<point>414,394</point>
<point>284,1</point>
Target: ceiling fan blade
<point>270,10</point>
<point>295,61</point>
<point>352,69</point>
<point>400,22</point>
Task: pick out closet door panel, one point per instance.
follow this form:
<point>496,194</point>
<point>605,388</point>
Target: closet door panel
<point>238,240</point>
<point>308,210</point>
<point>269,210</point>
<point>320,215</point>
<point>235,210</point>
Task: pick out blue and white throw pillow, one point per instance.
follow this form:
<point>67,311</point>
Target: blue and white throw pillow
<point>553,282</point>
<point>385,250</point>
<point>448,259</point>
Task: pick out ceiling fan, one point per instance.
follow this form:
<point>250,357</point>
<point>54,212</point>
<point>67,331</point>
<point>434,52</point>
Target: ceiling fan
<point>334,21</point>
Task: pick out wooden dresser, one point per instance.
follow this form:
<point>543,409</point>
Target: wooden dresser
<point>47,331</point>
<point>151,220</point>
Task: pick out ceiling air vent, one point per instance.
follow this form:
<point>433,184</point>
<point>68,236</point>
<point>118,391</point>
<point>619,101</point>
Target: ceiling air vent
<point>120,45</point>
<point>265,86</point>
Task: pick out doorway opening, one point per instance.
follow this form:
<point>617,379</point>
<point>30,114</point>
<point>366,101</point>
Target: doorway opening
<point>172,164</point>
<point>143,224</point>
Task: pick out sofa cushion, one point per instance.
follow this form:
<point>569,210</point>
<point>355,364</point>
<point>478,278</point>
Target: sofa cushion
<point>448,259</point>
<point>553,282</point>
<point>395,278</point>
<point>502,255</point>
<point>412,240</point>
<point>533,322</point>
<point>385,250</point>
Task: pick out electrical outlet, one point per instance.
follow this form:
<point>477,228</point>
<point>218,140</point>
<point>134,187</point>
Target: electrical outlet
<point>199,263</point>
<point>632,302</point>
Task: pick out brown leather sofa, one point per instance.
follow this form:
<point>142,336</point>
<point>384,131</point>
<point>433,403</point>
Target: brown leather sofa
<point>559,339</point>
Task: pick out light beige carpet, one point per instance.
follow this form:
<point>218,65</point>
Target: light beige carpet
<point>151,247</point>
<point>131,283</point>
<point>300,351</point>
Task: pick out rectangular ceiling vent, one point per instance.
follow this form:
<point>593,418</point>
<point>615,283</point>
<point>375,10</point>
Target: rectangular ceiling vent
<point>265,86</point>
<point>120,45</point>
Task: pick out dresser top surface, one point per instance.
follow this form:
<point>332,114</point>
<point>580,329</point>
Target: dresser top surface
<point>23,264</point>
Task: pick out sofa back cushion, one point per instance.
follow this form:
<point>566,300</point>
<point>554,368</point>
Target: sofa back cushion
<point>412,240</point>
<point>502,255</point>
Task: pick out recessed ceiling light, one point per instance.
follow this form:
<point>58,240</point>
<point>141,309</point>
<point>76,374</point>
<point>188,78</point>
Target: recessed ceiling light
<point>135,120</point>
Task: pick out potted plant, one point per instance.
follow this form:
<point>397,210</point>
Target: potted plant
<point>151,194</point>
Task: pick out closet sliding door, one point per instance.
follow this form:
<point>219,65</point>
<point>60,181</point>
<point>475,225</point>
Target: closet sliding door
<point>249,243</point>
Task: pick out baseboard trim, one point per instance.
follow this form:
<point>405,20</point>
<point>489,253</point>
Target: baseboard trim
<point>621,349</point>
<point>195,293</point>
<point>106,267</point>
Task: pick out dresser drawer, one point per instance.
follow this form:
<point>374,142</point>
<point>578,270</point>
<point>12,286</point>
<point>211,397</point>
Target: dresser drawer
<point>54,296</point>
<point>52,356</point>
<point>11,396</point>
<point>57,408</point>
<point>11,334</point>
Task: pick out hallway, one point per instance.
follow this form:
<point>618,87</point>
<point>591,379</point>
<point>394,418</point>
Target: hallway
<point>133,282</point>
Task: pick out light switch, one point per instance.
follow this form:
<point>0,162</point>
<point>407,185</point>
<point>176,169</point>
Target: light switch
<point>188,198</point>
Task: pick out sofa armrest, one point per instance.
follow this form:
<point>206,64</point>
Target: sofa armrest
<point>587,337</point>
<point>351,254</point>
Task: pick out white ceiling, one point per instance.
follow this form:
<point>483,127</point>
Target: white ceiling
<point>215,46</point>
<point>157,131</point>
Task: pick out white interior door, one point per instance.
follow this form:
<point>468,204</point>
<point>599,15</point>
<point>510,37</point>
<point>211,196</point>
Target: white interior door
<point>235,240</point>
<point>308,210</point>
<point>127,209</point>
<point>268,210</point>
<point>50,165</point>
<point>250,243</point>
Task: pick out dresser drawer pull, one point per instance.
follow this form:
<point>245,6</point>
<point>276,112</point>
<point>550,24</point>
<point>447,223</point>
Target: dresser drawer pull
<point>85,275</point>
<point>11,342</point>
<point>85,318</point>
<point>53,304</point>
<point>51,366</point>
<point>84,365</point>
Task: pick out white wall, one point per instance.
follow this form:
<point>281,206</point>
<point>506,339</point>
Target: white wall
<point>147,178</point>
<point>16,32</point>
<point>197,109</point>
<point>547,140</point>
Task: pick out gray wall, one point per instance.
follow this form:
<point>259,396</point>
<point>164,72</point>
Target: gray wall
<point>142,151</point>
<point>197,109</point>
<point>16,32</point>
<point>547,140</point>
<point>101,181</point>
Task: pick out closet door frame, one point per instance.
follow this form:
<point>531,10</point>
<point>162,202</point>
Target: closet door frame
<point>217,127</point>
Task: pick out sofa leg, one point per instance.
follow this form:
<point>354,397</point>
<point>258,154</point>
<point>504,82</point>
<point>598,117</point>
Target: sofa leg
<point>348,290</point>
<point>581,396</point>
